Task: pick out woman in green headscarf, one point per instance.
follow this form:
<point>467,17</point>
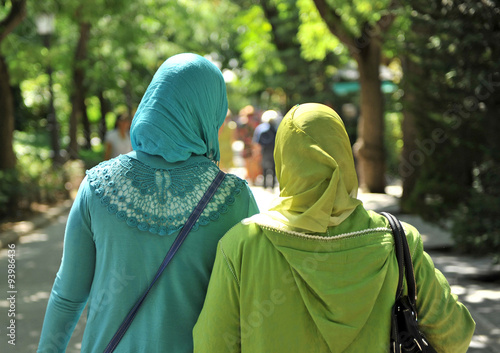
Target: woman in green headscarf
<point>129,210</point>
<point>317,273</point>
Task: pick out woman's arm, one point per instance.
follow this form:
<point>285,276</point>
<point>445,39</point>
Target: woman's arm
<point>445,321</point>
<point>74,278</point>
<point>218,326</point>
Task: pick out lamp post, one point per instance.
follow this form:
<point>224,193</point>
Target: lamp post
<point>45,28</point>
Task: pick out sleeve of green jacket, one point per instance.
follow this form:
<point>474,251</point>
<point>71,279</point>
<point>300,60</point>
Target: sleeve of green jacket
<point>445,321</point>
<point>218,326</point>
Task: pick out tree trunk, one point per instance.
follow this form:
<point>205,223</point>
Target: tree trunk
<point>366,50</point>
<point>53,125</point>
<point>369,147</point>
<point>129,100</point>
<point>86,125</point>
<point>104,111</point>
<point>79,93</point>
<point>7,156</point>
<point>407,169</point>
<point>7,25</point>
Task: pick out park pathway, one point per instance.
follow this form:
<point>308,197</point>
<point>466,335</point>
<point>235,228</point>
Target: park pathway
<point>37,256</point>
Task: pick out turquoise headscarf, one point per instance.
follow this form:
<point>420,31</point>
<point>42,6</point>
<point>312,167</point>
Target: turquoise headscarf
<point>182,110</point>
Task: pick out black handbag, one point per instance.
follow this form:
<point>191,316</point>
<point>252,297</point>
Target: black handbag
<point>405,333</point>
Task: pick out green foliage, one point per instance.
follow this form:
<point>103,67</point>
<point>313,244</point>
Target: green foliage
<point>393,139</point>
<point>456,46</point>
<point>275,53</point>
<point>92,157</point>
<point>258,52</point>
<point>38,180</point>
<point>476,225</point>
<point>35,178</point>
<point>316,39</point>
<point>8,187</point>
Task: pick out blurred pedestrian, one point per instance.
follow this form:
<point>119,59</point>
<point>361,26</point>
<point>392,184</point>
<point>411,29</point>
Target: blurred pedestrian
<point>264,136</point>
<point>318,272</point>
<point>247,122</point>
<point>117,141</point>
<point>227,136</point>
<point>129,210</point>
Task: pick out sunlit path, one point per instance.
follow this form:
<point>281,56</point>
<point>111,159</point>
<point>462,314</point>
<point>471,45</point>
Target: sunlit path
<point>37,257</point>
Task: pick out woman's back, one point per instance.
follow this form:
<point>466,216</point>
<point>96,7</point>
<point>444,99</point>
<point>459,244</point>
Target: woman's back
<point>129,210</point>
<point>317,272</point>
<point>176,300</point>
<point>294,292</point>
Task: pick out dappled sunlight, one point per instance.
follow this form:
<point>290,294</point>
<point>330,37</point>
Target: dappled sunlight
<point>460,268</point>
<point>263,197</point>
<point>482,295</point>
<point>378,202</point>
<point>4,303</point>
<point>475,293</point>
<point>33,238</point>
<point>39,296</point>
<point>479,342</point>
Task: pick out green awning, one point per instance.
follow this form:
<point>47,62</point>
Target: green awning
<point>345,88</point>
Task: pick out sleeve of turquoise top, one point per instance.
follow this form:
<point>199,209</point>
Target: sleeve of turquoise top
<point>253,208</point>
<point>74,278</point>
<point>445,321</point>
<point>218,326</point>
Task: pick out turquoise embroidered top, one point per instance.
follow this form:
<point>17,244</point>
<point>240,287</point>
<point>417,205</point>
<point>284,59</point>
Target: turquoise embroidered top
<point>160,200</point>
<point>124,219</point>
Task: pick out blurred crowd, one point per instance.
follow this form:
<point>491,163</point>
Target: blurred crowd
<point>247,145</point>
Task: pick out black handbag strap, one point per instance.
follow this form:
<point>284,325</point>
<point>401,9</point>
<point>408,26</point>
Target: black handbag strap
<point>404,259</point>
<point>171,252</point>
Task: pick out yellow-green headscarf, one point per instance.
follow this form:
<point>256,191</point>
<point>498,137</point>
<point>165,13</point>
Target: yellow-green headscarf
<point>315,170</point>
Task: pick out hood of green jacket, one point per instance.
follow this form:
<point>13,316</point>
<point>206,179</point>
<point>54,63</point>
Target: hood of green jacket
<point>341,275</point>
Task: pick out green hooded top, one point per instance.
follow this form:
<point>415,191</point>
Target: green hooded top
<point>318,272</point>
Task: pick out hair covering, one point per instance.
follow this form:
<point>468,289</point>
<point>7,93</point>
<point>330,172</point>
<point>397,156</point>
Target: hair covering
<point>315,170</point>
<point>182,110</point>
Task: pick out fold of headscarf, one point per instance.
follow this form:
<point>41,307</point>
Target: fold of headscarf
<point>315,170</point>
<point>182,110</point>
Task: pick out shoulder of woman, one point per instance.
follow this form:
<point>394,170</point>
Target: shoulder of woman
<point>238,185</point>
<point>412,234</point>
<point>243,233</point>
<point>414,238</point>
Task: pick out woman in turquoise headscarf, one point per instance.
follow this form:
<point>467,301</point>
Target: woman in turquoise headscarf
<point>129,210</point>
<point>317,273</point>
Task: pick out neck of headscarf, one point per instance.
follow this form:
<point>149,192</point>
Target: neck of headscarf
<point>182,110</point>
<point>315,170</point>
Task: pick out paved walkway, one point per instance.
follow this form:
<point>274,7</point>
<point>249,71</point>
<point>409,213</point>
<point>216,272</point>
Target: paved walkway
<point>474,279</point>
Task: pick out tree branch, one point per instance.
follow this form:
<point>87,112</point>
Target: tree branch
<point>15,16</point>
<point>335,24</point>
<point>387,19</point>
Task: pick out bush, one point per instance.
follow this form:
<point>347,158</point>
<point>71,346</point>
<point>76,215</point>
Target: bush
<point>36,179</point>
<point>92,157</point>
<point>476,227</point>
<point>8,187</point>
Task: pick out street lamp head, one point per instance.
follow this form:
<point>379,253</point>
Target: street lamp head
<point>45,24</point>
